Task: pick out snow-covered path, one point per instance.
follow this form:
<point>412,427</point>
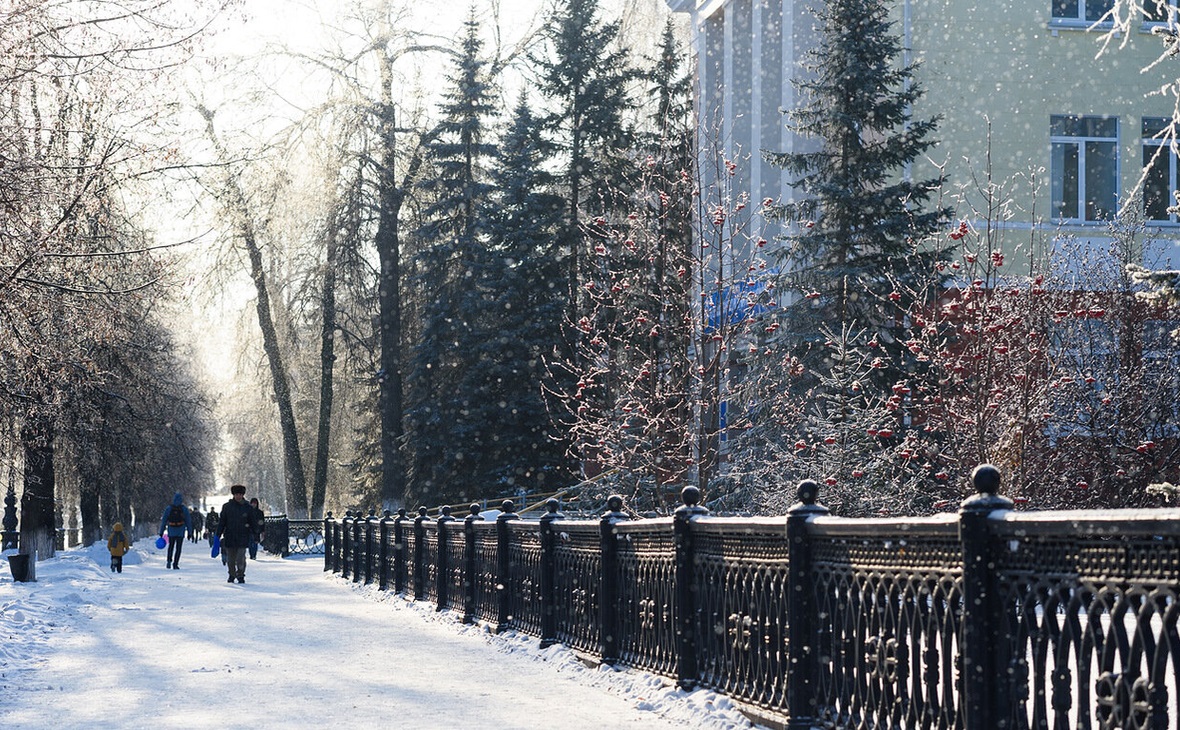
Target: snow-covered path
<point>293,647</point>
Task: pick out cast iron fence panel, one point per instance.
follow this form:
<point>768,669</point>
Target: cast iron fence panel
<point>1089,607</point>
<point>430,560</point>
<point>486,560</point>
<point>647,632</point>
<point>524,583</point>
<point>888,594</point>
<point>283,536</point>
<point>456,555</point>
<point>410,549</point>
<point>741,567</point>
<point>578,572</point>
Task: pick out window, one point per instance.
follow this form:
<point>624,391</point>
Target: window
<point>1082,11</point>
<point>1158,10</point>
<point>1084,167</point>
<point>1159,165</point>
<point>1161,370</point>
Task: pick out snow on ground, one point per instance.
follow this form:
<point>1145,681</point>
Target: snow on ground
<point>294,647</point>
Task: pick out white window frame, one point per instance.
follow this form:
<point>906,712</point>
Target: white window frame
<point>1080,142</point>
<point>1151,143</point>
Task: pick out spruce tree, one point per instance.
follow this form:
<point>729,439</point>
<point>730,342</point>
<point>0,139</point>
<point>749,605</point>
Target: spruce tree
<point>586,77</point>
<point>858,229</point>
<point>522,304</point>
<point>443,438</point>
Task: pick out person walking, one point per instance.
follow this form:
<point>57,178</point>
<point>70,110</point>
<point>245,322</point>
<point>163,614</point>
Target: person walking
<point>211,520</point>
<point>235,529</point>
<point>118,545</point>
<point>177,522</point>
<point>198,524</point>
<point>259,531</point>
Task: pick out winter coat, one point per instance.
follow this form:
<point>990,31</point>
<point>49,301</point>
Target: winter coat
<point>236,525</point>
<point>176,530</point>
<point>211,520</point>
<point>198,523</point>
<point>117,543</point>
<point>260,520</point>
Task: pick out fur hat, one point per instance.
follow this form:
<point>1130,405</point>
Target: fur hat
<point>237,489</point>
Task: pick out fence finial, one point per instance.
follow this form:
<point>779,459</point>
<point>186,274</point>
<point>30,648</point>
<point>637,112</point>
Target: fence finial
<point>986,479</point>
<point>551,505</point>
<point>614,503</point>
<point>808,492</point>
<point>507,506</point>
<point>473,510</point>
<point>690,495</point>
<point>422,511</point>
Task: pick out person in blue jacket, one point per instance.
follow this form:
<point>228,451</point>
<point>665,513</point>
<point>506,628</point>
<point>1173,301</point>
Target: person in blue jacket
<point>177,522</point>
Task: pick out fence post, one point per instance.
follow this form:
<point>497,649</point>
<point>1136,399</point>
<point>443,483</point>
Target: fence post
<point>346,540</point>
<point>420,554</point>
<point>399,551</point>
<point>549,573</point>
<point>358,533</point>
<point>802,659</point>
<point>370,521</point>
<point>504,565</point>
<point>441,576</point>
<point>684,607</point>
<point>328,554</point>
<point>982,643</point>
<point>284,538</point>
<point>608,586</point>
<point>383,566</point>
<point>469,562</point>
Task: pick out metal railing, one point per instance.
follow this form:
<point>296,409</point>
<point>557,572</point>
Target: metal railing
<point>984,619</point>
<point>284,537</point>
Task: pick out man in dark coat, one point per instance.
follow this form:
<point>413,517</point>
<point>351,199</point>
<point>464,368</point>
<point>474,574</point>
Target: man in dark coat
<point>236,528</point>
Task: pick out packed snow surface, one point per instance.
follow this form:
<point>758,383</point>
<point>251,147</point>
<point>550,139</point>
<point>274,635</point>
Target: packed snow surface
<point>293,647</point>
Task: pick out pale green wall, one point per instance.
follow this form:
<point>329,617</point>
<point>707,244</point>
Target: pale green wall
<point>1000,59</point>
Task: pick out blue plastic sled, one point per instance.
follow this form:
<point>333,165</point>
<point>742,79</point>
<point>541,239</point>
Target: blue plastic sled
<point>216,547</point>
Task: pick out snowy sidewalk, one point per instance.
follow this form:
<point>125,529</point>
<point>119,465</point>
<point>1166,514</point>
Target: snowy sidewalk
<point>293,647</point>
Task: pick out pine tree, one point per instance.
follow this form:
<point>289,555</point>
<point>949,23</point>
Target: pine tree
<point>451,258</point>
<point>859,227</point>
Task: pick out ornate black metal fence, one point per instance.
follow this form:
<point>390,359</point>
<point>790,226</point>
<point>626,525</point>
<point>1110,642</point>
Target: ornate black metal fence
<point>983,619</point>
<point>293,537</point>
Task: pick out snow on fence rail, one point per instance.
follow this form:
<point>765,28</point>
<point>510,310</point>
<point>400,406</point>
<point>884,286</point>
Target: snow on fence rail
<point>983,619</point>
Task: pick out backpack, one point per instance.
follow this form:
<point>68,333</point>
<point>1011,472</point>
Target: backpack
<point>176,516</point>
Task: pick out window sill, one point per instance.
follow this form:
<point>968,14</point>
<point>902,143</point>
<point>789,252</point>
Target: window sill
<point>1057,25</point>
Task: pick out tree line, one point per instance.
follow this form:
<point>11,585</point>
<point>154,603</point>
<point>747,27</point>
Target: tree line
<point>531,273</point>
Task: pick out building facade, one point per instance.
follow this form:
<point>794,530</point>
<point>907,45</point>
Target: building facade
<point>1029,98</point>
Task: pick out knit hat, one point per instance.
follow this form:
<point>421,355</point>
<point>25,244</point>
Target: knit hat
<point>237,489</point>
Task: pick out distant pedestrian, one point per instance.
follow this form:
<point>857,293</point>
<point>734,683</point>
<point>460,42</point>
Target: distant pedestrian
<point>118,545</point>
<point>259,530</point>
<point>177,522</point>
<point>235,529</point>
<point>211,525</point>
<point>198,524</point>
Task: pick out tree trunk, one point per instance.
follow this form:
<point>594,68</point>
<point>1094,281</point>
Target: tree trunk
<point>389,383</point>
<point>88,503</point>
<point>296,481</point>
<point>36,514</point>
<point>319,484</point>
